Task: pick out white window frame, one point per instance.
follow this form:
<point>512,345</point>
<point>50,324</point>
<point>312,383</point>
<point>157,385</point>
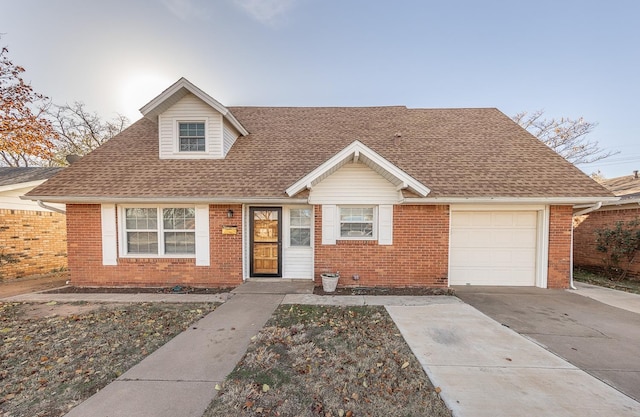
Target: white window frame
<point>374,223</point>
<point>290,227</point>
<point>176,141</point>
<point>122,232</point>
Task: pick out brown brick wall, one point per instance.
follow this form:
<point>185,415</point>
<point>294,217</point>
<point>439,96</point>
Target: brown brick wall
<point>559,271</point>
<point>585,254</point>
<point>418,256</point>
<point>35,239</point>
<point>85,260</point>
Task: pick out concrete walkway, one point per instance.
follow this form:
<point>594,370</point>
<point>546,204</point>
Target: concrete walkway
<point>179,378</point>
<point>32,284</point>
<point>482,367</point>
<point>620,299</point>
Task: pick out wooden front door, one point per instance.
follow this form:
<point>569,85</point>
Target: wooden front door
<point>266,241</point>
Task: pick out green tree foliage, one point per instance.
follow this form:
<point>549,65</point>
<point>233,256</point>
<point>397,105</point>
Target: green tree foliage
<point>621,245</point>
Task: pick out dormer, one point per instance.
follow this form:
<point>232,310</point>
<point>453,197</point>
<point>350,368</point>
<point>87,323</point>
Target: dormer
<point>192,124</point>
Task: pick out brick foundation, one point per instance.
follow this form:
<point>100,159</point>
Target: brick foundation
<point>36,240</point>
<point>417,258</point>
<point>585,254</point>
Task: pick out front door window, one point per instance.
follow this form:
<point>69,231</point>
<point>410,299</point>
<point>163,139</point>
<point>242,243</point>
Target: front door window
<point>266,247</point>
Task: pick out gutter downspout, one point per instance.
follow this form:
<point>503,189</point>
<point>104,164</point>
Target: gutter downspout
<point>580,213</point>
<point>589,209</point>
<point>44,206</point>
<point>573,287</point>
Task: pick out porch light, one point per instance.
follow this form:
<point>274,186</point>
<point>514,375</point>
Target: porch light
<point>229,213</point>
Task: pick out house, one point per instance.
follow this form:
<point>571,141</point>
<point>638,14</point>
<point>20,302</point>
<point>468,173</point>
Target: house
<point>32,237</point>
<point>196,193</point>
<point>607,215</point>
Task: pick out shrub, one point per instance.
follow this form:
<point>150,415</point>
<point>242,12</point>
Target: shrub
<point>620,244</point>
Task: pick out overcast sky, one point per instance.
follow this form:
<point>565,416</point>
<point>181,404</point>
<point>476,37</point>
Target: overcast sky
<point>570,58</point>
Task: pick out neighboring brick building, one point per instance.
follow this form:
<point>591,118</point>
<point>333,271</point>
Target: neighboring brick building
<point>32,238</point>
<point>585,253</point>
<point>199,194</point>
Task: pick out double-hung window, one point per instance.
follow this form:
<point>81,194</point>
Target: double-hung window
<point>159,231</point>
<point>179,226</point>
<point>141,229</point>
<point>191,137</point>
<point>300,227</point>
<point>357,223</point>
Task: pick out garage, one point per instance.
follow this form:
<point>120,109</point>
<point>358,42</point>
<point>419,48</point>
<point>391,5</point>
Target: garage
<point>493,248</point>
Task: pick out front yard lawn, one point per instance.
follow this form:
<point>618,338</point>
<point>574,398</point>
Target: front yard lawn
<point>627,285</point>
<point>328,361</point>
<point>54,356</point>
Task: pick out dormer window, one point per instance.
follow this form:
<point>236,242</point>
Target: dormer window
<point>191,137</point>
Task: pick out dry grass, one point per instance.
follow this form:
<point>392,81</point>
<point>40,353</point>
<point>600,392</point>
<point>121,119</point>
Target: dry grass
<point>328,361</point>
<point>628,285</point>
<point>56,355</point>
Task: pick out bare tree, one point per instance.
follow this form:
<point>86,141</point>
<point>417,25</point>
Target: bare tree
<point>81,131</point>
<point>568,137</point>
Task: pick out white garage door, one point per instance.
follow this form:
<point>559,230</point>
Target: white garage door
<point>493,248</point>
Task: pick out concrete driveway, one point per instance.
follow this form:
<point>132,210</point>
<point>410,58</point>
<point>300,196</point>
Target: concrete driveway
<point>597,338</point>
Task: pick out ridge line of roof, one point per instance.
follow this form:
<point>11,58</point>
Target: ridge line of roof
<point>399,106</point>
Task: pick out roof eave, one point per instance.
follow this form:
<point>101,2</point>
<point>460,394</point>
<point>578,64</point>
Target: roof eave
<point>576,201</point>
<point>509,200</point>
<point>163,200</point>
<point>623,202</point>
<point>19,185</point>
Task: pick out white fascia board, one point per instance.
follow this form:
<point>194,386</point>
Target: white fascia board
<point>250,200</point>
<point>160,98</point>
<point>508,200</point>
<point>622,202</point>
<point>306,181</point>
<point>11,187</point>
<point>350,152</point>
<point>186,84</point>
<point>164,200</point>
<point>232,119</point>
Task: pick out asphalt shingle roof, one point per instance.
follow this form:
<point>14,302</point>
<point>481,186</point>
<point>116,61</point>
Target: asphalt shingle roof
<point>627,186</point>
<point>454,152</point>
<point>11,176</point>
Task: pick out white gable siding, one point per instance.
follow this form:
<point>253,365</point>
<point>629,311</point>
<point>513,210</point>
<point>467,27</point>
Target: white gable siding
<point>190,108</point>
<point>11,200</point>
<point>354,184</point>
<point>229,135</point>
